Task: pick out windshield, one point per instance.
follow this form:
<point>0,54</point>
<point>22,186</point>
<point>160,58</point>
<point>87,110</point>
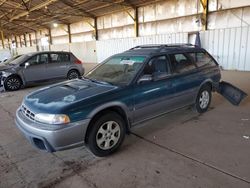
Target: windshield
<point>11,59</point>
<point>118,70</point>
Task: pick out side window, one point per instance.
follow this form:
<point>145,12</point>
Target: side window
<point>43,58</point>
<point>59,58</point>
<point>38,59</point>
<point>202,59</point>
<point>157,66</point>
<point>181,63</point>
<point>33,60</point>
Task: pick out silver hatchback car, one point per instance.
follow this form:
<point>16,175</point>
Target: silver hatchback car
<point>38,67</point>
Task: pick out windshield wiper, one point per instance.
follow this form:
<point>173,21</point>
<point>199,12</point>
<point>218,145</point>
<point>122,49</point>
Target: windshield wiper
<point>97,81</point>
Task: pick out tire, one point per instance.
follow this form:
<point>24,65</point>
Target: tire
<point>12,83</point>
<point>106,135</point>
<point>73,74</point>
<point>203,99</point>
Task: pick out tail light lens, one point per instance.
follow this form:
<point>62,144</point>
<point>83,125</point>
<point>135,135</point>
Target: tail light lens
<point>78,61</point>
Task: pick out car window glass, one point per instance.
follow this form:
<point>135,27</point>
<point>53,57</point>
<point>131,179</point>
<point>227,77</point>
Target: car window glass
<point>43,58</point>
<point>157,67</point>
<point>202,59</point>
<point>118,70</point>
<point>38,59</point>
<point>181,63</point>
<point>34,60</point>
<point>58,58</point>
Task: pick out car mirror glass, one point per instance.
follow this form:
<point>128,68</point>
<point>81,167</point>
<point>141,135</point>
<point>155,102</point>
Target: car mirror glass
<point>145,78</point>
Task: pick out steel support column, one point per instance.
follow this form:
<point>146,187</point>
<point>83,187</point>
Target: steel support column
<point>96,29</point>
<point>69,33</point>
<point>25,41</point>
<point>50,37</point>
<point>30,39</point>
<point>2,39</point>
<point>136,24</point>
<point>204,17</point>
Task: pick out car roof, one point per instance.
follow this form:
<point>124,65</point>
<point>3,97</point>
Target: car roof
<point>43,52</point>
<point>150,50</point>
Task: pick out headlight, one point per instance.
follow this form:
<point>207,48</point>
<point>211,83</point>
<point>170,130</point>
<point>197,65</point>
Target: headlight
<point>55,119</point>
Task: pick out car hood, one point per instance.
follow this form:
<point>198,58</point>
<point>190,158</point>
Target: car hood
<point>54,98</point>
<point>5,67</point>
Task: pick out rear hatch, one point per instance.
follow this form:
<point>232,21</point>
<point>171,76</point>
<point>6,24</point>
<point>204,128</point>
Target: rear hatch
<point>233,94</point>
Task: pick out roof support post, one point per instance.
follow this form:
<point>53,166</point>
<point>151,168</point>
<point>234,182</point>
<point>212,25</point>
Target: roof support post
<point>69,33</point>
<point>9,43</point>
<point>136,23</point>
<point>20,40</point>
<point>204,17</point>
<point>50,37</point>
<point>136,20</point>
<point>96,29</point>
<point>25,41</point>
<point>37,47</point>
<point>2,38</point>
<point>16,41</point>
<point>30,39</point>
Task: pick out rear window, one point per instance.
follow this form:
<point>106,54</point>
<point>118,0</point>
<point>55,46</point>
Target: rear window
<point>59,57</point>
<point>202,59</point>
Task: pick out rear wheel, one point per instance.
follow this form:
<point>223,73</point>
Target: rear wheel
<point>106,135</point>
<point>203,99</point>
<point>73,74</point>
<point>12,83</point>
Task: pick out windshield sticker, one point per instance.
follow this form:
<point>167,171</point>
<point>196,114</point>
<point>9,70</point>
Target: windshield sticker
<point>127,62</point>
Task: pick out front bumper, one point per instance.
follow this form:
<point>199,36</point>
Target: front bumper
<point>66,137</point>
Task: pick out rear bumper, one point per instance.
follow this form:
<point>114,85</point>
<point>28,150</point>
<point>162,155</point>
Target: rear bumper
<point>68,136</point>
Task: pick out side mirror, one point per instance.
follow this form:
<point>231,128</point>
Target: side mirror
<point>145,78</point>
<point>26,64</point>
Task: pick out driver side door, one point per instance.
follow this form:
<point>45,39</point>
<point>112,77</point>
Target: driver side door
<point>36,69</point>
<point>153,98</point>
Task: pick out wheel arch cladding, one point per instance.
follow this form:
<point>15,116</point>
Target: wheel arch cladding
<point>116,109</point>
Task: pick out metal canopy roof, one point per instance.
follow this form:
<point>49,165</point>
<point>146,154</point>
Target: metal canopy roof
<point>23,16</point>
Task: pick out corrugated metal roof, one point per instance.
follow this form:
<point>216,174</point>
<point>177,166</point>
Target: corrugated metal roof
<point>23,16</point>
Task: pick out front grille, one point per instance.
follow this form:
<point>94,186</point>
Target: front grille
<point>30,115</point>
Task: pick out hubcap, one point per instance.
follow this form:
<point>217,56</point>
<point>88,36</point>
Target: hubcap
<point>204,99</point>
<point>13,83</point>
<point>73,75</point>
<point>108,135</point>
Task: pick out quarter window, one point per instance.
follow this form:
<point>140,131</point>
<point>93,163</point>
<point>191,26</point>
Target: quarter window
<point>181,63</point>
<point>202,59</point>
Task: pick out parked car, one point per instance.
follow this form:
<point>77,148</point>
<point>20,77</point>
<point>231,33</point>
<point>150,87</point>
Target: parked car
<point>40,66</point>
<point>122,92</point>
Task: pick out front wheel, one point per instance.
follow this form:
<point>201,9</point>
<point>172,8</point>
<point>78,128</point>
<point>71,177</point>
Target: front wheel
<point>12,83</point>
<point>203,99</point>
<point>106,135</point>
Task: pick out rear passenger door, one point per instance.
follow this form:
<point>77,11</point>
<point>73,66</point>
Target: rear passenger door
<point>186,79</point>
<point>58,65</point>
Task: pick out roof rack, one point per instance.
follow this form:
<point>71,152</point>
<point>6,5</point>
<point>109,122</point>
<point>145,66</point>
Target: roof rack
<point>162,46</point>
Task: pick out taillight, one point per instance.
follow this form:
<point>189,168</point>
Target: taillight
<point>78,61</point>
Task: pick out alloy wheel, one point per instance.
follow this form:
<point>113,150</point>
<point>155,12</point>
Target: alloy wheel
<point>204,99</point>
<point>108,135</point>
